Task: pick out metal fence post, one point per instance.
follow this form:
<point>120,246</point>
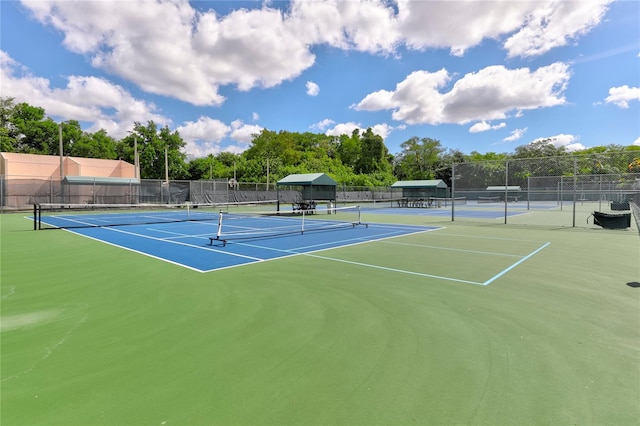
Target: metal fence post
<point>506,189</point>
<point>575,188</point>
<point>453,191</point>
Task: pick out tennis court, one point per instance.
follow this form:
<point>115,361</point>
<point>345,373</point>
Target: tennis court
<point>195,245</point>
<point>383,317</point>
<point>197,239</point>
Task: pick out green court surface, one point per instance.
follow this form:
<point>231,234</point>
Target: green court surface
<point>470,324</point>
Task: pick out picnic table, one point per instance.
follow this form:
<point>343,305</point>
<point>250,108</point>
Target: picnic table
<point>416,202</point>
<point>304,206</point>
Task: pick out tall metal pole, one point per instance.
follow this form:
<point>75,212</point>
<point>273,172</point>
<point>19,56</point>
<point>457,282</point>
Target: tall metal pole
<point>453,191</point>
<point>575,188</point>
<point>136,160</point>
<point>528,191</point>
<point>506,189</point>
<point>166,164</point>
<point>61,154</point>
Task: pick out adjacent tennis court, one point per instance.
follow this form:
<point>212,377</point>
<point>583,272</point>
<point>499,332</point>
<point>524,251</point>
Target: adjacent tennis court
<point>187,316</point>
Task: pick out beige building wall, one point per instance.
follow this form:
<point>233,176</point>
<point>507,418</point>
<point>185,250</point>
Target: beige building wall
<point>33,166</point>
<point>30,166</point>
<point>30,179</point>
<point>104,168</point>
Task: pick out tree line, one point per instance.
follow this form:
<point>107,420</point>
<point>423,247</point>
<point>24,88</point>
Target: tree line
<point>359,159</point>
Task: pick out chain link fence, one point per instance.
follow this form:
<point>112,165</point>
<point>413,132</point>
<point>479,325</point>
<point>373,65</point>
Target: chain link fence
<point>561,191</point>
<point>22,193</point>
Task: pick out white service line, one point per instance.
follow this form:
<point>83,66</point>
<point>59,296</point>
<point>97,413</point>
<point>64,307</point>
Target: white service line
<point>184,244</point>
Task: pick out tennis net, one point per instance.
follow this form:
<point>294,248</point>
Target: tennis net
<point>446,202</point>
<point>256,225</point>
<point>488,200</point>
<point>410,202</point>
<point>66,216</point>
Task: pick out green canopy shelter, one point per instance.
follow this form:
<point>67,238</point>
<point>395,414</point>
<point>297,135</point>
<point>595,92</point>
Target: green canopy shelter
<point>509,193</point>
<point>307,188</point>
<point>414,189</point>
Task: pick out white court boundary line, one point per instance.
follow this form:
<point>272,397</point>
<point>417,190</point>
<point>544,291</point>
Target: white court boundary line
<point>344,243</point>
<point>495,277</point>
<point>368,265</point>
<point>254,259</point>
<point>485,283</point>
<point>290,253</point>
<point>296,252</point>
<point>385,240</point>
<point>454,249</point>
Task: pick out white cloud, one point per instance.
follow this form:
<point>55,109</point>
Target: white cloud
<point>88,99</point>
<point>255,116</point>
<point>172,49</point>
<point>243,133</point>
<point>553,24</point>
<point>105,105</point>
<point>168,48</point>
<point>489,94</point>
<point>321,125</point>
<point>235,149</point>
<point>515,135</point>
<point>620,96</point>
<point>343,129</point>
<point>368,26</point>
<point>575,147</point>
<point>382,129</point>
<point>203,137</point>
<point>483,126</point>
<point>415,100</point>
<point>312,88</point>
<point>636,142</point>
<point>569,142</point>
<point>533,27</point>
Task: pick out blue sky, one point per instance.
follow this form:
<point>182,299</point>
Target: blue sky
<point>484,76</point>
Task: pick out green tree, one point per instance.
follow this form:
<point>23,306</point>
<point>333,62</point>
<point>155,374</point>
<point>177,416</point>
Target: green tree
<point>202,168</point>
<point>349,148</point>
<point>488,156</point>
<point>373,154</point>
<point>8,130</point>
<point>419,159</point>
<point>540,148</point>
<point>221,166</point>
<point>152,144</point>
<point>96,145</point>
<point>445,160</point>
<point>35,134</point>
<point>270,144</point>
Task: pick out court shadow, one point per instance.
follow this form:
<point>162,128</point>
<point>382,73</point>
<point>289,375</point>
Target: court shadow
<point>634,284</point>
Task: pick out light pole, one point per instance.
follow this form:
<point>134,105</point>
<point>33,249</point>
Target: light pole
<point>61,153</point>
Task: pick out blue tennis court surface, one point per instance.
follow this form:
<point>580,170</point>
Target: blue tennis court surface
<point>188,244</point>
<point>469,210</point>
<point>446,212</point>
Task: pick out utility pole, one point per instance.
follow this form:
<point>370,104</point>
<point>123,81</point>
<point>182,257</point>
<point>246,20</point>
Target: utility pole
<point>136,159</point>
<point>61,153</point>
<point>166,164</point>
